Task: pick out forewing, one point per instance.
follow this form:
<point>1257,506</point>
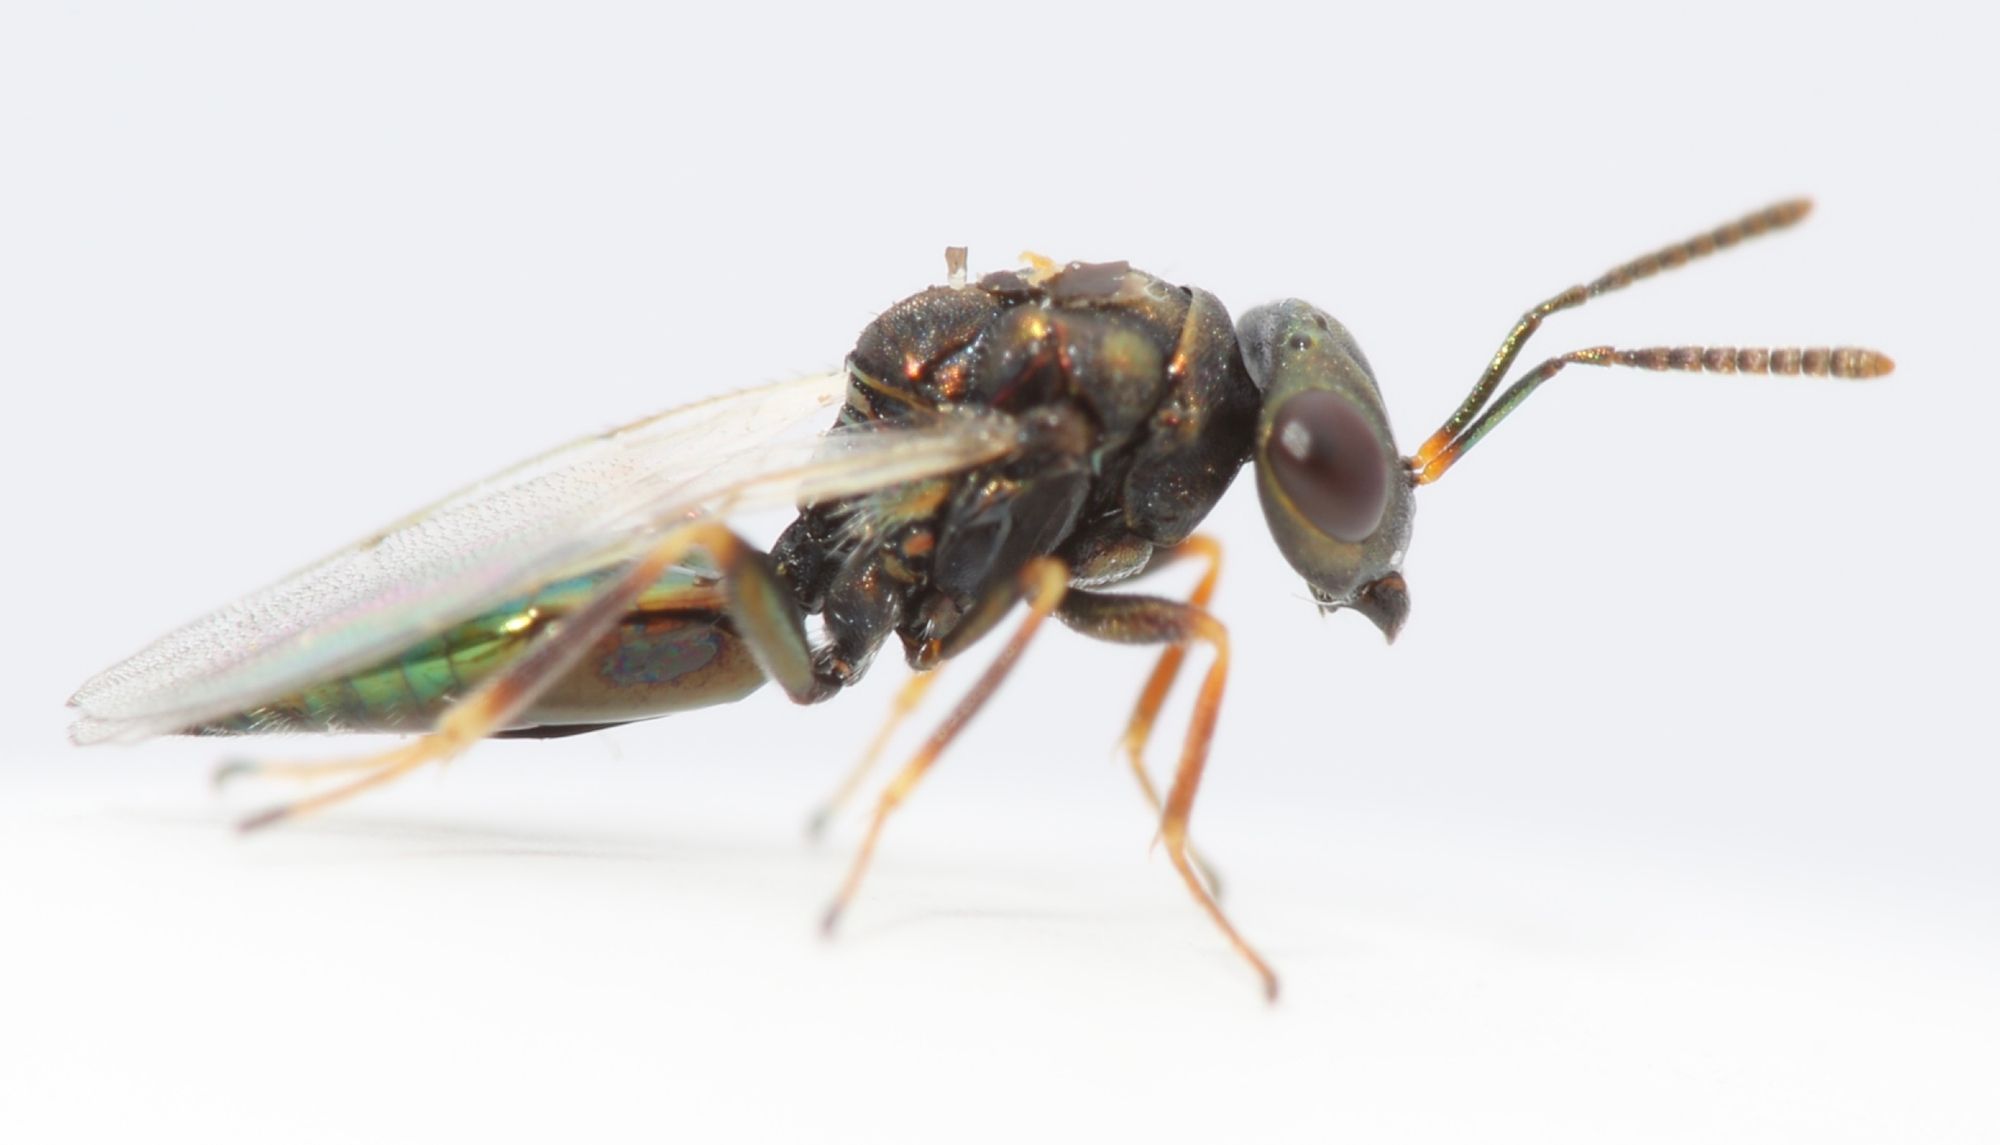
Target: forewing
<point>590,505</point>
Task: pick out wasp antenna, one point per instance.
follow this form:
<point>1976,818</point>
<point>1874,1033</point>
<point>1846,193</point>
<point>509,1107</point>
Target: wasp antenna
<point>1846,362</point>
<point>1849,362</point>
<point>1774,217</point>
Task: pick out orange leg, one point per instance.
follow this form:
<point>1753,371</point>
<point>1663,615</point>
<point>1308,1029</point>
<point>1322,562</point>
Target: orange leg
<point>907,698</point>
<point>1044,583</point>
<point>1187,780</point>
<point>489,707</point>
<point>231,769</point>
<point>1139,729</point>
<point>1151,620</point>
<point>380,769</point>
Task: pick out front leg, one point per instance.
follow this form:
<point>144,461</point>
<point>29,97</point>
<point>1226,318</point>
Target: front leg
<point>1123,619</point>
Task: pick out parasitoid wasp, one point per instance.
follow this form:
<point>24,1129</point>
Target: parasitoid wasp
<point>1029,437</point>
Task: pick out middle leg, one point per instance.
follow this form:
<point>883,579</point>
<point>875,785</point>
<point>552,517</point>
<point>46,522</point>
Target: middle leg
<point>907,698</point>
<point>1043,583</point>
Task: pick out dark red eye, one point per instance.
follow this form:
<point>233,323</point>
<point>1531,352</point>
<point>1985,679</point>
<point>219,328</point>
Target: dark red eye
<point>1330,463</point>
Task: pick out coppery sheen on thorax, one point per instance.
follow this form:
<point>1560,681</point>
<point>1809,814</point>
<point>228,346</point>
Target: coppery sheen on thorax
<point>1136,413</point>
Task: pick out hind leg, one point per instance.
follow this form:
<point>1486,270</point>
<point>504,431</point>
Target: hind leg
<point>905,704</point>
<point>755,600</point>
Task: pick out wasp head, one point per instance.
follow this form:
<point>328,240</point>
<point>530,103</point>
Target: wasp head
<point>1336,493</point>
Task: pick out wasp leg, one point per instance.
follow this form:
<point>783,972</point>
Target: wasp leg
<point>907,698</point>
<point>1043,583</point>
<point>1123,619</point>
<point>231,769</point>
<point>380,769</point>
<point>1139,729</point>
<point>755,599</point>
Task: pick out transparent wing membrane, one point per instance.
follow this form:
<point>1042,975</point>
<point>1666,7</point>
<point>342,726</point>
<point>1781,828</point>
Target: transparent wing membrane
<point>593,504</point>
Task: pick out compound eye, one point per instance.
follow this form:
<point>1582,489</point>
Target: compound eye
<point>1331,463</point>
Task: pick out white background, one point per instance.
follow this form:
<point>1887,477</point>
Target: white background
<point>1669,818</point>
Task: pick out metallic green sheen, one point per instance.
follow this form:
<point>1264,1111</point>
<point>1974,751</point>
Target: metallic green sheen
<point>410,691</point>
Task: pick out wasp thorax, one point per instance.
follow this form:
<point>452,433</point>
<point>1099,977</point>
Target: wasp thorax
<point>1335,495</point>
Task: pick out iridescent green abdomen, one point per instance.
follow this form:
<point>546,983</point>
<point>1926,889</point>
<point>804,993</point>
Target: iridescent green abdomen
<point>673,652</point>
